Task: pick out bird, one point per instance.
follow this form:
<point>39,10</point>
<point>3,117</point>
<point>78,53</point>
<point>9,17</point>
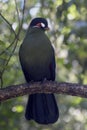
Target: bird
<point>37,59</point>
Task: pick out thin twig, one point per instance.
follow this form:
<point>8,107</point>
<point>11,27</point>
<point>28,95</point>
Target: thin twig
<point>8,47</point>
<point>9,58</point>
<point>17,12</point>
<point>18,33</point>
<point>22,16</point>
<point>15,41</point>
<point>10,25</point>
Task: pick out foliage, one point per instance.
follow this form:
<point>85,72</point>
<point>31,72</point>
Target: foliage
<point>68,23</point>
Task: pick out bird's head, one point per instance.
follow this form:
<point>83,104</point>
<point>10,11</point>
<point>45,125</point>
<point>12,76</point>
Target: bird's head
<point>40,23</point>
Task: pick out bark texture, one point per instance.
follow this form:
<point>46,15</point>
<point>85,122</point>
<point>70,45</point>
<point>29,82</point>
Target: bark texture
<point>73,89</point>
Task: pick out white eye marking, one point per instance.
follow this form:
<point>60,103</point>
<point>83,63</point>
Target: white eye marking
<point>42,25</point>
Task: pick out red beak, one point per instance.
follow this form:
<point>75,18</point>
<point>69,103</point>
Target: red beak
<point>47,28</point>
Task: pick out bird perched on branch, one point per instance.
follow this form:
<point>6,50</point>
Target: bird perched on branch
<point>37,59</point>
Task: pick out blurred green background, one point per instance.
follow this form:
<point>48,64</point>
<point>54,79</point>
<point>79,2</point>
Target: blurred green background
<point>68,33</point>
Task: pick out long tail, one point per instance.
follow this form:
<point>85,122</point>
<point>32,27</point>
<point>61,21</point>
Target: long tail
<point>42,108</point>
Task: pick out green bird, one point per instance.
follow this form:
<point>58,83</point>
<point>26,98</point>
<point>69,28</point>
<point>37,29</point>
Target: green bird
<point>37,59</point>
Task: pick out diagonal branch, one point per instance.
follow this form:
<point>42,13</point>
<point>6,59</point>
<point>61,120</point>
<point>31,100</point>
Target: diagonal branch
<point>17,12</point>
<point>73,89</point>
<point>9,24</point>
<point>15,40</point>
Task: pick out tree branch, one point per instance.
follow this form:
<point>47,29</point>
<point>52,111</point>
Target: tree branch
<point>14,43</point>
<point>9,24</point>
<point>43,87</point>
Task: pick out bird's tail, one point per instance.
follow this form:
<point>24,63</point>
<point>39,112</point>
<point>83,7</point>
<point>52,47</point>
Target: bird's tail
<point>42,108</point>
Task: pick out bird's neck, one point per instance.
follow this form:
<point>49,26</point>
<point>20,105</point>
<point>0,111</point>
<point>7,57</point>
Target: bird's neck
<point>36,26</point>
<point>35,30</point>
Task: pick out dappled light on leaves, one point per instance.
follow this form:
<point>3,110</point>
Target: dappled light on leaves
<point>18,108</point>
<point>68,33</point>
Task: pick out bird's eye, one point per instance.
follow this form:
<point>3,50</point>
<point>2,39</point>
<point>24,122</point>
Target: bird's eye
<point>42,25</point>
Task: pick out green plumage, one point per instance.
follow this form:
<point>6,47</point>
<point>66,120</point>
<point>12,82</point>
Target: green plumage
<point>36,54</point>
<point>38,63</point>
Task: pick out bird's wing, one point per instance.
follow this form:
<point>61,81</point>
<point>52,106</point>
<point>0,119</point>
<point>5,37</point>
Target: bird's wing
<point>52,68</point>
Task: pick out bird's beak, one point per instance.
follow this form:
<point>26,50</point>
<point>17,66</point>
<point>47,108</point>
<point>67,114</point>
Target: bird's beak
<point>47,28</point>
